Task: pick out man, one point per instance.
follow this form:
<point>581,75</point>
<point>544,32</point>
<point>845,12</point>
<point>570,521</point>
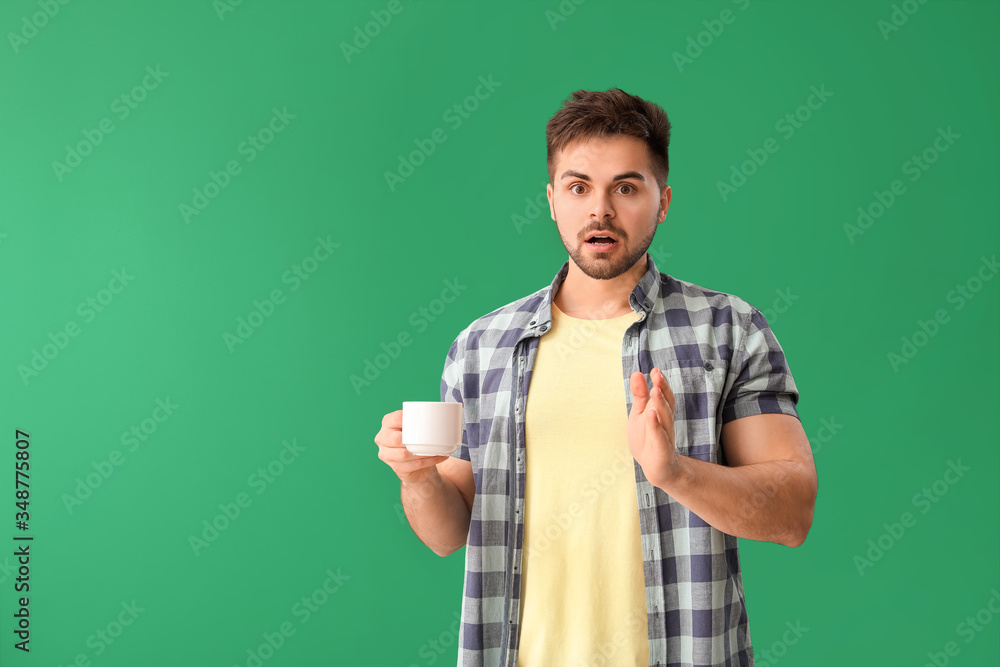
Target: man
<point>661,427</point>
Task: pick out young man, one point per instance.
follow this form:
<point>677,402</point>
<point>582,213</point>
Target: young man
<point>661,427</point>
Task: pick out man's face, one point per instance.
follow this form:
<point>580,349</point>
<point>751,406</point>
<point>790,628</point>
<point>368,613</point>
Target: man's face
<point>604,186</point>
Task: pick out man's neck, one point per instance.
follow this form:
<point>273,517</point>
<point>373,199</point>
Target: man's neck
<point>587,298</point>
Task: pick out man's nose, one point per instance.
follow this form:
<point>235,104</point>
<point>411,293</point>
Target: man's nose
<point>601,207</point>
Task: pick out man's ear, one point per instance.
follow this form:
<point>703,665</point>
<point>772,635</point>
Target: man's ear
<point>548,193</point>
<point>665,195</point>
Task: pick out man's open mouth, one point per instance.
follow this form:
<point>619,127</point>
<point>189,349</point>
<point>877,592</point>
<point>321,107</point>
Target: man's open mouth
<point>600,241</point>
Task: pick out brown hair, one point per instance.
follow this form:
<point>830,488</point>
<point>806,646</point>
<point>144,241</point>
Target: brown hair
<point>590,113</point>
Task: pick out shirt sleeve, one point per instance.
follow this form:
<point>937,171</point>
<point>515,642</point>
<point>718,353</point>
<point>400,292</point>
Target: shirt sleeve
<point>763,383</point>
<point>451,391</point>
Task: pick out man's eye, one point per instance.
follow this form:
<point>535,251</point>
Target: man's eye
<point>631,189</point>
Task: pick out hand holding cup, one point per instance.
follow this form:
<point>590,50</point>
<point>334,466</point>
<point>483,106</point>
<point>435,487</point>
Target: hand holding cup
<point>433,439</point>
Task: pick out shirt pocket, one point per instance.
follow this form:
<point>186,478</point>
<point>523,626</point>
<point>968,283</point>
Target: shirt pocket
<point>697,385</point>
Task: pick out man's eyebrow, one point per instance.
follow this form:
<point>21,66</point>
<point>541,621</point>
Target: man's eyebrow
<point>569,173</point>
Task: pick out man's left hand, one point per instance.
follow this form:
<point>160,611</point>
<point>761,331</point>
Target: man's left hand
<point>651,428</point>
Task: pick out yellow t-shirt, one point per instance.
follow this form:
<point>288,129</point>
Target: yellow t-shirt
<point>583,599</point>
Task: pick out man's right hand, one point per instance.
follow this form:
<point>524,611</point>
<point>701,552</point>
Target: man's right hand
<point>408,467</point>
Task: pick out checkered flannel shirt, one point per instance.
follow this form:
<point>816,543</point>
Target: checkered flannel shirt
<point>722,361</point>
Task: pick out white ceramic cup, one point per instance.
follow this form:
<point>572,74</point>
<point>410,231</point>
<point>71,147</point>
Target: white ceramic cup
<point>432,428</point>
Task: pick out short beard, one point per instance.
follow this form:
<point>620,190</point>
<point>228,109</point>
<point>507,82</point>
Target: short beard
<point>601,267</point>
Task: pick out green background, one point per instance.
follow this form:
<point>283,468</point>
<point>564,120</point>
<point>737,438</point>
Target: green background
<point>336,505</point>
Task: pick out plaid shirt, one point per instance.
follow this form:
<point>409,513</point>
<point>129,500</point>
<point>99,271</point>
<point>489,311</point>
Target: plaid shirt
<point>722,361</point>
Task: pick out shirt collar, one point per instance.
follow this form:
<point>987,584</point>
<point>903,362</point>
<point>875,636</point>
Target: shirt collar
<point>641,298</point>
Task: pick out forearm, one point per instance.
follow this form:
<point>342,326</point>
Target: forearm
<point>437,513</point>
<point>769,502</point>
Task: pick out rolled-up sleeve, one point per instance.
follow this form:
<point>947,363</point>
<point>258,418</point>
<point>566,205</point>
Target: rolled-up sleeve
<point>451,391</point>
<point>763,382</point>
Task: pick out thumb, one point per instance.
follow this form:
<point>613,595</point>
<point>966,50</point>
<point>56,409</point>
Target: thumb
<point>640,392</point>
<point>654,430</point>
